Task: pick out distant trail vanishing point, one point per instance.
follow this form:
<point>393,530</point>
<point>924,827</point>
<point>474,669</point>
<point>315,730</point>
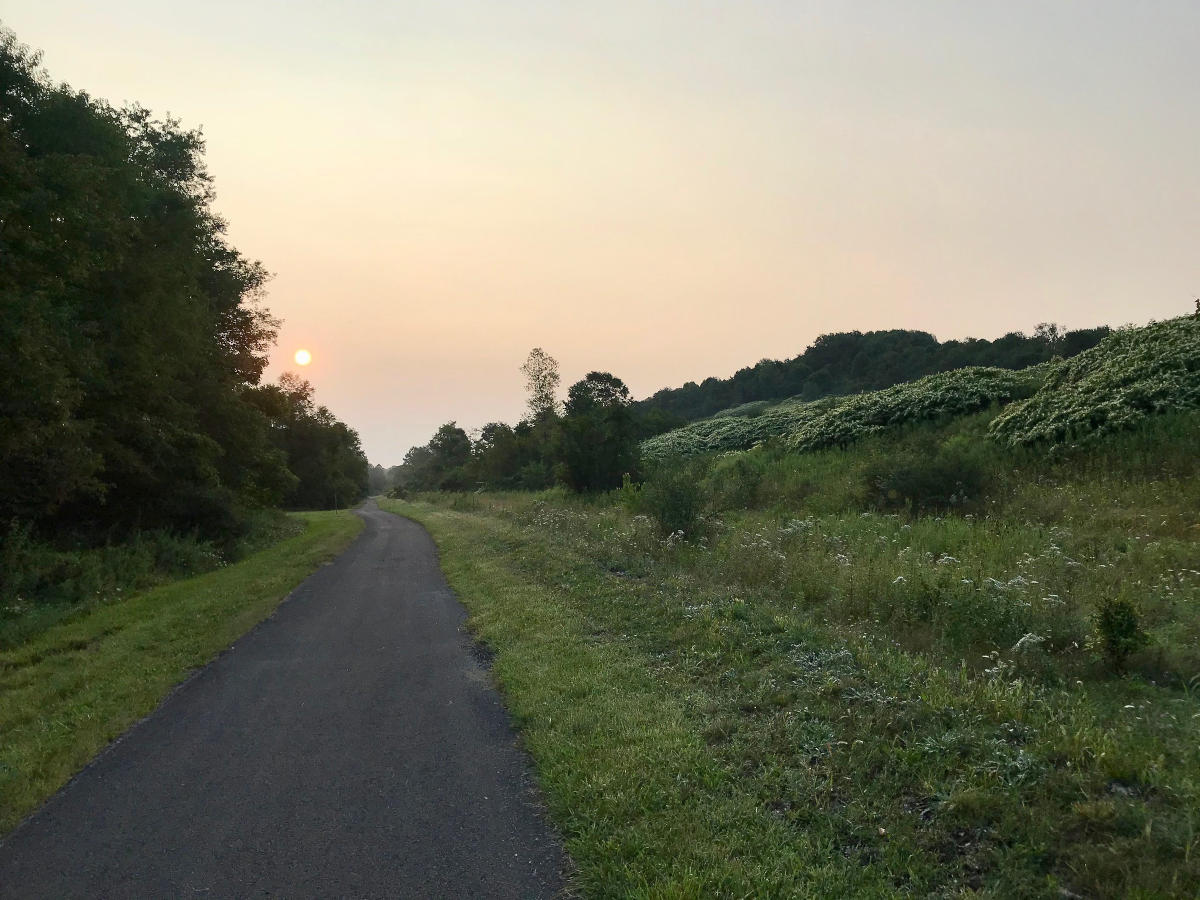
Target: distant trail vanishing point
<point>349,746</point>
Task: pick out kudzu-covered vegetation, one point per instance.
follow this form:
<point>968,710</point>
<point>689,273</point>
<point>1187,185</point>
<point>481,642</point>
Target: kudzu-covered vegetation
<point>852,362</point>
<point>839,421</point>
<point>735,432</point>
<point>1131,375</point>
<point>944,396</point>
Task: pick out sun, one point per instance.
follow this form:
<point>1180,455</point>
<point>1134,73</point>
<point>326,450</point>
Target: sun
<point>302,357</point>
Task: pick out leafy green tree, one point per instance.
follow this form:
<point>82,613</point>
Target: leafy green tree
<point>451,448</point>
<point>541,383</point>
<point>440,465</point>
<point>495,456</point>
<point>324,455</point>
<point>130,331</point>
<point>416,471</point>
<point>599,440</point>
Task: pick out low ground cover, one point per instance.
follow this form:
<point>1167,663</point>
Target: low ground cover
<point>855,699</point>
<point>44,583</point>
<point>72,687</point>
<point>731,431</point>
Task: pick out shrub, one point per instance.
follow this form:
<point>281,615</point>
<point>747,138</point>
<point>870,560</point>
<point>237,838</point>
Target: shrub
<point>1119,630</point>
<point>674,497</point>
<point>733,430</point>
<point>735,481</point>
<point>840,421</point>
<point>956,474</point>
<point>629,494</point>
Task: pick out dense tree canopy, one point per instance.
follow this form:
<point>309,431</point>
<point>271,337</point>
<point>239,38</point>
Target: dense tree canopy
<point>599,443</point>
<point>439,465</point>
<point>588,448</point>
<point>324,455</point>
<point>131,333</point>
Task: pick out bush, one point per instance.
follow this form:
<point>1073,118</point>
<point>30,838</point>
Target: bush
<point>37,573</point>
<point>629,494</point>
<point>674,497</point>
<point>840,421</point>
<point>735,481</point>
<point>1119,630</point>
<point>942,396</point>
<point>955,475</point>
<point>734,430</point>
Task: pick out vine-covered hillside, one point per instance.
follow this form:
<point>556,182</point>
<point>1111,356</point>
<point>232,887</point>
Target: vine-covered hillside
<point>852,361</point>
<point>1131,374</point>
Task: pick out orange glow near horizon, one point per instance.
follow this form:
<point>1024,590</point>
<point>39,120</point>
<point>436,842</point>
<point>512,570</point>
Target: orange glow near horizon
<point>663,191</point>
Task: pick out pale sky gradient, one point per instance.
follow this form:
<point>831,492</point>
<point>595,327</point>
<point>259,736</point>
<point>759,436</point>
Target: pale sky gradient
<point>662,190</point>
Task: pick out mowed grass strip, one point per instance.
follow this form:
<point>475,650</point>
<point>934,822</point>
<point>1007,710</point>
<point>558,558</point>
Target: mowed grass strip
<point>644,806</point>
<point>74,688</point>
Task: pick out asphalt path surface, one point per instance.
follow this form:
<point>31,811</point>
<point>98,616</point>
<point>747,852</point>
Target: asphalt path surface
<point>349,746</point>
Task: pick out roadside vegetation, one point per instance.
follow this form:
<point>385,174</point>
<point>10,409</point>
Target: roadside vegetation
<point>899,654</point>
<point>1131,376</point>
<point>68,689</point>
<point>136,440</point>
<point>839,421</point>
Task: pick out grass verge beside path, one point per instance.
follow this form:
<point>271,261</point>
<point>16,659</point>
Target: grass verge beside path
<point>747,715</point>
<point>644,807</point>
<point>74,688</point>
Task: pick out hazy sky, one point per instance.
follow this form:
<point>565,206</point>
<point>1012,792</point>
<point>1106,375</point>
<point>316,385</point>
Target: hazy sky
<point>662,190</point>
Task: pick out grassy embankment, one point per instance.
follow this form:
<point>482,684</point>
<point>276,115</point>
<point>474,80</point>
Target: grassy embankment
<point>71,688</point>
<point>811,696</point>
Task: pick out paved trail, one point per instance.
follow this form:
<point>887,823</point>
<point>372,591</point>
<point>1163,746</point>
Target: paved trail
<point>350,746</point>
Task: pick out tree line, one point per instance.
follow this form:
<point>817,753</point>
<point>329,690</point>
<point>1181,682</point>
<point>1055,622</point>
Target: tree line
<point>588,443</point>
<point>853,361</point>
<point>132,335</point>
<point>592,442</point>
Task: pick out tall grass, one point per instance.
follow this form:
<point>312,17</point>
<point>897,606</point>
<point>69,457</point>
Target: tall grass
<point>43,583</point>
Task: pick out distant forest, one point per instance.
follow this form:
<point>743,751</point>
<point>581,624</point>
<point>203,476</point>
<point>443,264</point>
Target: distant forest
<point>851,361</point>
